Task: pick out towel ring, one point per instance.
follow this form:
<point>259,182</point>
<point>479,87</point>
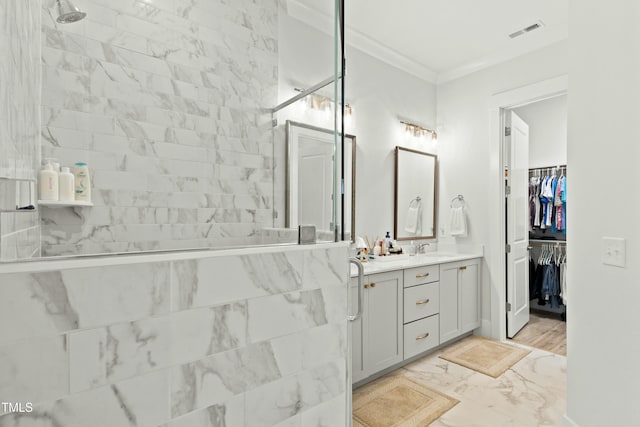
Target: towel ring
<point>415,199</point>
<point>458,198</point>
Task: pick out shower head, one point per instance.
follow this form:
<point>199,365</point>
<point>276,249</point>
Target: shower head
<point>68,13</point>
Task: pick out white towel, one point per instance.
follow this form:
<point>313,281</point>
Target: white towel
<point>458,226</point>
<point>413,218</point>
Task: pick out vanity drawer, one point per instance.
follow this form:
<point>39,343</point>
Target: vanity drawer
<point>420,275</point>
<point>421,301</point>
<point>421,335</point>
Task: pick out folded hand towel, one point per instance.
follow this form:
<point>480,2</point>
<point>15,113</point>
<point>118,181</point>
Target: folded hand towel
<point>458,222</point>
<point>413,218</point>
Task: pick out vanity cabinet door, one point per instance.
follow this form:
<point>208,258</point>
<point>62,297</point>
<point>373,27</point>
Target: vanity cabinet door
<point>449,319</point>
<point>358,371</point>
<point>459,298</point>
<point>383,321</point>
<point>469,286</point>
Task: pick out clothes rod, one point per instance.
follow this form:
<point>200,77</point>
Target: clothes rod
<point>549,167</point>
<point>548,242</point>
<point>306,92</point>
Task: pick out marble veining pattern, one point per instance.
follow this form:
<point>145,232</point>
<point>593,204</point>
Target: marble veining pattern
<point>287,313</point>
<point>531,393</point>
<point>20,74</point>
<point>212,380</point>
<point>20,94</point>
<point>19,233</point>
<point>252,276</point>
<point>290,396</point>
<point>60,301</point>
<point>166,101</point>
<point>252,344</point>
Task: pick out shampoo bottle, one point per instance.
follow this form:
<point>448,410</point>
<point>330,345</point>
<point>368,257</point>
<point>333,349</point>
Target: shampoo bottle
<point>48,183</point>
<point>67,186</point>
<point>387,240</point>
<point>82,182</point>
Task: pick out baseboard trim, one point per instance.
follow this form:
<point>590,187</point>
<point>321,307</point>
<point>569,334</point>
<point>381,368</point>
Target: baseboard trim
<point>568,422</point>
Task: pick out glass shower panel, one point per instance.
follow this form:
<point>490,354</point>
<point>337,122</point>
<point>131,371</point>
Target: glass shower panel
<point>174,115</point>
<point>306,159</point>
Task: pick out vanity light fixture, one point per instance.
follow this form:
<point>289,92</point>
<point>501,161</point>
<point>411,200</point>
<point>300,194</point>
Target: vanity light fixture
<point>418,131</point>
<point>319,102</point>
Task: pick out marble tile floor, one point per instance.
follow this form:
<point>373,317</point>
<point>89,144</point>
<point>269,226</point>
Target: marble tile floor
<point>531,393</point>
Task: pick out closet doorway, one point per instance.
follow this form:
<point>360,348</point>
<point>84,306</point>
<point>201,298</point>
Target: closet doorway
<point>535,173</point>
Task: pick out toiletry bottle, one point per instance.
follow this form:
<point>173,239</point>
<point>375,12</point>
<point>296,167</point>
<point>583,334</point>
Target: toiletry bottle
<point>48,183</point>
<point>387,240</point>
<point>82,182</point>
<point>67,186</point>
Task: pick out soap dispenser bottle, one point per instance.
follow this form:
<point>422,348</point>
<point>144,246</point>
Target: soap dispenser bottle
<point>48,183</point>
<point>67,186</point>
<point>387,240</point>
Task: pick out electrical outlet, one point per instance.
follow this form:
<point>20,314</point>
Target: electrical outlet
<point>614,251</point>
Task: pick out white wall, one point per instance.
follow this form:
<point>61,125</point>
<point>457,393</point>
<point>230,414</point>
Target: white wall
<point>466,158</point>
<point>604,102</point>
<point>547,122</point>
<point>379,94</point>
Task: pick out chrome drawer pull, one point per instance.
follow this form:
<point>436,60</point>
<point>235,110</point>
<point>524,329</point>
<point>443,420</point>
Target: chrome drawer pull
<point>421,276</point>
<point>421,337</point>
<point>424,301</point>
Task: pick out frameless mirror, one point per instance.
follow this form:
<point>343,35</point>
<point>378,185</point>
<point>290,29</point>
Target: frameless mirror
<point>309,180</point>
<point>415,194</point>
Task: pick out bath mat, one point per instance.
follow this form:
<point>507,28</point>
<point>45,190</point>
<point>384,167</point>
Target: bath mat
<point>398,402</point>
<point>485,356</point>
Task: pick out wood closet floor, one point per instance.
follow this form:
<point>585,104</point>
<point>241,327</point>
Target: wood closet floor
<point>546,332</point>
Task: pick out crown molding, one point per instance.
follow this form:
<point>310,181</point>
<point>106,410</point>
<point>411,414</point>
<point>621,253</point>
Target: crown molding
<point>498,58</point>
<point>361,42</point>
<point>378,50</point>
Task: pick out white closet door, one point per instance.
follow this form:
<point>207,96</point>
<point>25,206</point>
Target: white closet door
<point>517,154</point>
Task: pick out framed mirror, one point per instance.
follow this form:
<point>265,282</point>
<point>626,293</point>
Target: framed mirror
<point>309,179</point>
<point>415,194</point>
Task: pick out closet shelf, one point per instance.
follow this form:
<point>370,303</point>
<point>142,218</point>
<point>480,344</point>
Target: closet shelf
<point>59,204</point>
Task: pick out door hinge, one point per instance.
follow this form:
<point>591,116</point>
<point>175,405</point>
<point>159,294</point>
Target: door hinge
<point>507,131</point>
<point>507,190</point>
<point>508,306</point>
<point>274,122</point>
<point>507,248</point>
<point>275,214</point>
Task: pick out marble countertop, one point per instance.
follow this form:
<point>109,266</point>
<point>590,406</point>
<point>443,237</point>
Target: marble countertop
<point>400,262</point>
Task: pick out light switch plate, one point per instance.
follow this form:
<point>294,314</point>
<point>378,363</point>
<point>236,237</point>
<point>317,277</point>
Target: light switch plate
<point>614,251</point>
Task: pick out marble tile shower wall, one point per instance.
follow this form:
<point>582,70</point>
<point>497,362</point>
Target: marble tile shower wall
<point>166,102</point>
<point>20,81</point>
<point>232,340</point>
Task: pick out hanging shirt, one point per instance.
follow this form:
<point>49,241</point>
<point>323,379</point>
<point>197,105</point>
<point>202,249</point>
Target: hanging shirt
<point>543,202</point>
<point>536,200</point>
<point>548,194</point>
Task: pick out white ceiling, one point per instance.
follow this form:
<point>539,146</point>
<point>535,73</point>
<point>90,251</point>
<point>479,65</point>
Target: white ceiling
<point>439,40</point>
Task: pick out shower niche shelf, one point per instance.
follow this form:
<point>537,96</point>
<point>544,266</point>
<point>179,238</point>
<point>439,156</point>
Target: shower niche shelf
<point>59,204</point>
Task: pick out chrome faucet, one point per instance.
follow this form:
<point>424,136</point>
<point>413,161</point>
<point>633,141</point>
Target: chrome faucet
<point>420,247</point>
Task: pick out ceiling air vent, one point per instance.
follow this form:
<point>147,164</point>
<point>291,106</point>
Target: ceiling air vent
<point>527,29</point>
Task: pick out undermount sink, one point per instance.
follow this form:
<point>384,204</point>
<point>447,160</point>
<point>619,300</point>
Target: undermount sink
<point>387,258</point>
<point>437,255</point>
